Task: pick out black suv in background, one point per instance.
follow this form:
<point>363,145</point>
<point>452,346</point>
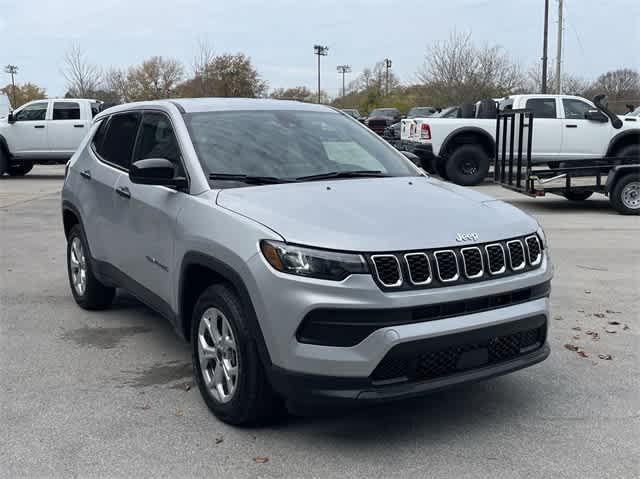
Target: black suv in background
<point>380,118</point>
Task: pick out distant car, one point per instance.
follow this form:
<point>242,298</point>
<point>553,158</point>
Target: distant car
<point>354,113</point>
<point>380,118</point>
<point>392,132</point>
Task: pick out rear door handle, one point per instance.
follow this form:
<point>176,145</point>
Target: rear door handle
<point>571,126</point>
<point>78,126</point>
<point>86,174</point>
<point>124,192</point>
<point>38,126</point>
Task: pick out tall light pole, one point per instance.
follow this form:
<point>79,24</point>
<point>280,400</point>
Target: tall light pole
<point>545,42</point>
<point>321,51</point>
<point>387,65</point>
<point>12,70</point>
<point>343,69</point>
<point>559,52</point>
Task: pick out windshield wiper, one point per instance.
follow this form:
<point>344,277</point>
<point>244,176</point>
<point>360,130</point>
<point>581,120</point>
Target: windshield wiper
<point>252,180</point>
<point>344,174</point>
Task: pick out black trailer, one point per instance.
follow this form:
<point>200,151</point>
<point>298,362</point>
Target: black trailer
<point>576,180</point>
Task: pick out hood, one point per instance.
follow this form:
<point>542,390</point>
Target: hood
<point>377,214</point>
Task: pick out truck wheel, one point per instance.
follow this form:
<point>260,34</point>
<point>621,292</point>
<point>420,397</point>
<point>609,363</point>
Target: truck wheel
<point>4,162</point>
<point>20,169</point>
<point>468,165</point>
<point>625,196</point>
<point>576,195</point>
<point>226,364</point>
<point>87,290</point>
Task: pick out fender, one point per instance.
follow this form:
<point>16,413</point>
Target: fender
<point>620,136</point>
<point>468,129</point>
<point>4,146</point>
<point>618,172</point>
<point>228,273</point>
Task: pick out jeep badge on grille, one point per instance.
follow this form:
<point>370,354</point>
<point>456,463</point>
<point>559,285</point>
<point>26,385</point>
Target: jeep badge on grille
<point>462,237</point>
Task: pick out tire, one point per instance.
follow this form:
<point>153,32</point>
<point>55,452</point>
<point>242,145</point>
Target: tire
<point>93,295</point>
<point>4,161</point>
<point>468,165</point>
<point>630,151</point>
<point>20,169</point>
<point>577,195</point>
<point>243,399</point>
<point>625,196</point>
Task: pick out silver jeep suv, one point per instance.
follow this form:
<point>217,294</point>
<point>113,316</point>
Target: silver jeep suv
<point>303,257</point>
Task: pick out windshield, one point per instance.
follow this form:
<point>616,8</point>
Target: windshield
<point>384,112</point>
<point>288,144</point>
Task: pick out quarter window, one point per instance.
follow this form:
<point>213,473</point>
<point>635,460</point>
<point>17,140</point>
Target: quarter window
<point>117,147</point>
<point>542,107</point>
<point>98,138</point>
<point>33,112</point>
<point>66,110</point>
<point>575,109</point>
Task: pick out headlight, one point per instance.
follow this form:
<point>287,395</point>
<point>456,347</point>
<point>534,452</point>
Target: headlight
<point>543,237</point>
<point>311,262</point>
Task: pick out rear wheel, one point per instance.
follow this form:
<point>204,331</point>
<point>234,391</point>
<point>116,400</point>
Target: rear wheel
<point>625,196</point>
<point>573,195</point>
<point>20,169</point>
<point>87,290</point>
<point>468,165</point>
<point>226,364</point>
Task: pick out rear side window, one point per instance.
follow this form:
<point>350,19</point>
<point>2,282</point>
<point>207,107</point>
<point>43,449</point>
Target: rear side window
<point>117,146</point>
<point>66,110</point>
<point>542,107</point>
<point>98,138</point>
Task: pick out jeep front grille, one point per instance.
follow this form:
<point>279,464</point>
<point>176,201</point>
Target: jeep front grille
<point>445,267</point>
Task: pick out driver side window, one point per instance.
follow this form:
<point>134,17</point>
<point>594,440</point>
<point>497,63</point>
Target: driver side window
<point>575,109</point>
<point>33,112</point>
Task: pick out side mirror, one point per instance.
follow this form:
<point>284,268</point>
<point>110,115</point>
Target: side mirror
<point>156,171</point>
<point>596,115</point>
<point>10,118</point>
<point>415,159</point>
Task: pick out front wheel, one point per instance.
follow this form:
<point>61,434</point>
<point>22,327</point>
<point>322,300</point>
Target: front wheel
<point>468,165</point>
<point>625,196</point>
<point>226,364</point>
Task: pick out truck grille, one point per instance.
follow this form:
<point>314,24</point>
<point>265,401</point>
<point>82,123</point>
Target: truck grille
<point>424,362</point>
<point>433,268</point>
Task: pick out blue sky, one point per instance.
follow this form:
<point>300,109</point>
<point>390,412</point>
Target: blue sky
<point>279,34</point>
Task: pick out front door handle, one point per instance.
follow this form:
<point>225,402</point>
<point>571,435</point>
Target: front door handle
<point>78,126</point>
<point>124,192</point>
<point>571,126</point>
<point>86,174</point>
<point>38,126</point>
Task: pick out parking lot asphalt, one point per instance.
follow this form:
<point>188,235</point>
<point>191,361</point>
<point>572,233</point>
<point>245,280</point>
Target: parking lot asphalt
<point>109,394</point>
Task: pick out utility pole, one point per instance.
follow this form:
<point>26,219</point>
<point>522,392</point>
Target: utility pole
<point>544,46</point>
<point>321,52</point>
<point>387,65</point>
<point>343,69</point>
<point>559,52</point>
<point>12,70</point>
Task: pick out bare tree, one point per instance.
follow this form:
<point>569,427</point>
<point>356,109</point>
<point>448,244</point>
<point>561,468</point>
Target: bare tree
<point>374,79</point>
<point>571,84</point>
<point>83,78</point>
<point>619,84</point>
<point>299,93</point>
<point>115,85</point>
<point>156,78</point>
<point>457,71</point>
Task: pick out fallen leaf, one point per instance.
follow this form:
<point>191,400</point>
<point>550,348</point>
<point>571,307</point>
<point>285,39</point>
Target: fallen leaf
<point>582,354</point>
<point>219,440</point>
<point>576,336</point>
<point>595,337</point>
<point>626,328</point>
<point>611,330</point>
<point>594,362</point>
<point>260,459</point>
<point>589,332</point>
<point>558,318</point>
<point>611,311</point>
<point>577,328</point>
<point>581,311</point>
<point>179,412</point>
<point>607,357</point>
<point>187,386</point>
<point>571,347</point>
<point>586,291</point>
<point>614,323</point>
<point>599,315</point>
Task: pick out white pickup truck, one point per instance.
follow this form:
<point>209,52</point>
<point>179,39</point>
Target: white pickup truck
<point>565,128</point>
<point>44,131</point>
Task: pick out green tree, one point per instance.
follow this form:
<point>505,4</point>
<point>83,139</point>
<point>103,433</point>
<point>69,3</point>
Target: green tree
<point>299,93</point>
<point>154,79</point>
<point>24,93</point>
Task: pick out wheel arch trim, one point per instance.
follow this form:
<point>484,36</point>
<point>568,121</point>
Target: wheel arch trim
<point>468,130</point>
